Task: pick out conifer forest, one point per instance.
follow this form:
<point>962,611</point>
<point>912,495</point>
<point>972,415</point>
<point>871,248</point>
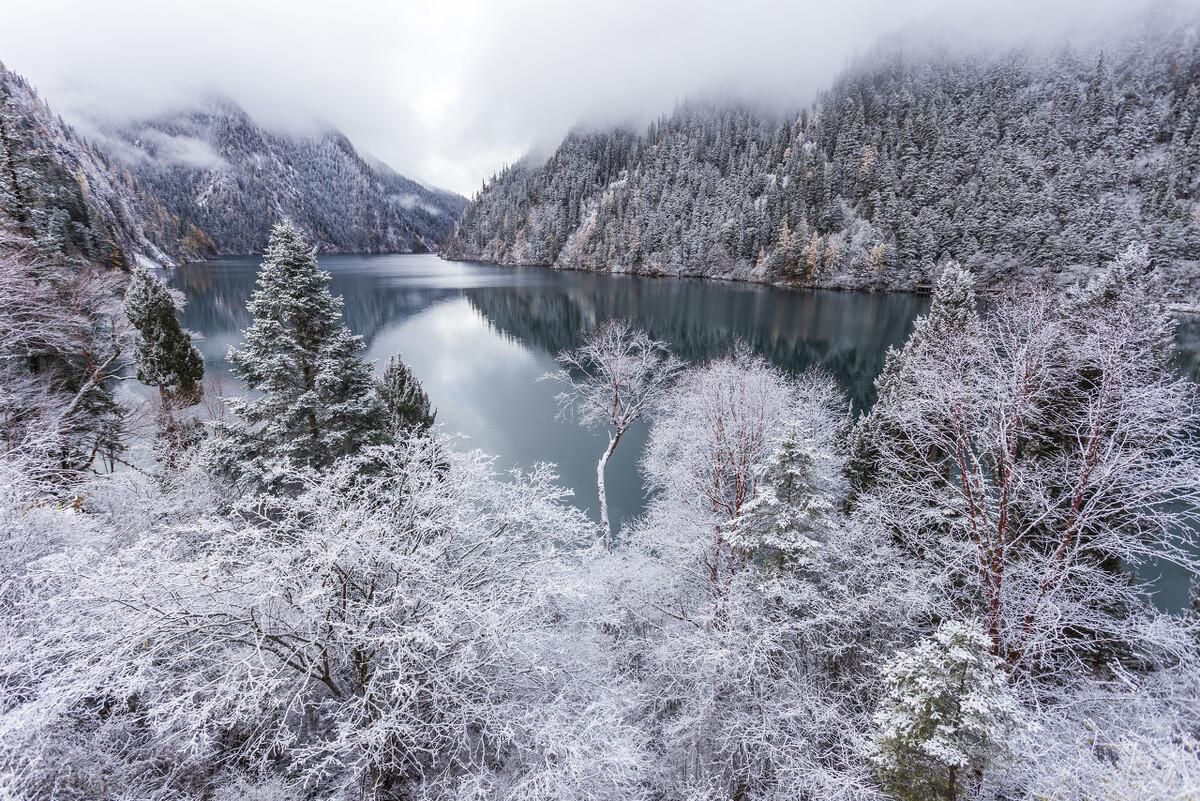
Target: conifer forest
<point>319,482</point>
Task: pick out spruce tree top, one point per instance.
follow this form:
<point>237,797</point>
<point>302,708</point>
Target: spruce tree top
<point>947,714</point>
<point>408,407</point>
<point>316,400</point>
<point>790,512</point>
<point>166,357</point>
<point>294,313</point>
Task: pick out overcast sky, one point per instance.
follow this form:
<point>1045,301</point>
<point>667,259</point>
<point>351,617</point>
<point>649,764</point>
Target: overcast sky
<point>447,91</point>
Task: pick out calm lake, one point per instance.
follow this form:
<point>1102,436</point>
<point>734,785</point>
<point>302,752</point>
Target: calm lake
<point>480,336</point>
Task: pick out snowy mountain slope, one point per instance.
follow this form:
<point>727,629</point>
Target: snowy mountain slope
<point>1025,165</point>
<point>215,169</point>
<point>59,191</point>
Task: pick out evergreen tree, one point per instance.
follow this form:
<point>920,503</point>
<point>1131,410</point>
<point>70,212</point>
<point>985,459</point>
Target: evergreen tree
<point>946,715</point>
<point>791,508</point>
<point>166,357</point>
<point>315,398</point>
<point>951,315</point>
<point>406,404</point>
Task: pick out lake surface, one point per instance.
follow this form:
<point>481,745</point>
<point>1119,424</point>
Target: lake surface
<point>479,337</point>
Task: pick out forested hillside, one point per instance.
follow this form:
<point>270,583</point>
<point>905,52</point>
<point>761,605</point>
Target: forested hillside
<point>305,588</point>
<point>61,194</point>
<point>1020,164</point>
<point>227,180</point>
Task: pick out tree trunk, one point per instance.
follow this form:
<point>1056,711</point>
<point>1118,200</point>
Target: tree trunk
<point>612,446</point>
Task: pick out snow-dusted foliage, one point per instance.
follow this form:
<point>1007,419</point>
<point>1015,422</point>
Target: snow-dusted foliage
<point>397,621</point>
<point>63,338</point>
<point>379,636</point>
<point>756,672</point>
<point>1027,165</point>
<point>404,400</point>
<point>793,504</point>
<point>166,357</point>
<point>946,717</point>
<point>613,380</point>
<point>1035,456</point>
<point>317,400</point>
<point>951,319</point>
<point>945,598</point>
<point>705,453</point>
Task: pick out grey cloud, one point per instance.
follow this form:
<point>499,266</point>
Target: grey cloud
<point>186,150</point>
<point>447,92</point>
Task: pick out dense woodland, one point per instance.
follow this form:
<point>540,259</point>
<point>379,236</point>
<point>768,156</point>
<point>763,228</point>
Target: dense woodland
<point>1032,164</point>
<point>314,592</point>
<point>310,590</point>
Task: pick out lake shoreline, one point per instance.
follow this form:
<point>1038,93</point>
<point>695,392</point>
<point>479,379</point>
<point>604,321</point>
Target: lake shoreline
<point>921,290</point>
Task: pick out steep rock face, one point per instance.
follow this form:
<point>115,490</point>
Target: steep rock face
<point>227,180</point>
<point>64,197</point>
<point>1028,166</point>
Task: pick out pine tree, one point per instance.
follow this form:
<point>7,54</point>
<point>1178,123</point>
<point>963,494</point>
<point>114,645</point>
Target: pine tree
<point>791,508</point>
<point>951,314</point>
<point>316,401</point>
<point>946,715</point>
<point>405,401</point>
<point>166,357</point>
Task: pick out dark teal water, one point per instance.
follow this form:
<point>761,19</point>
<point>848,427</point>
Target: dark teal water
<point>479,337</point>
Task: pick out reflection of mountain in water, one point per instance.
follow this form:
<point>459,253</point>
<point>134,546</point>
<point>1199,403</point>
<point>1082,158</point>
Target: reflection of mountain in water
<point>218,291</point>
<point>846,333</point>
<point>371,308</point>
<point>1188,346</point>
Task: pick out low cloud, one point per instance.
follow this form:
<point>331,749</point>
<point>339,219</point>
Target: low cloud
<point>448,92</point>
<point>411,202</point>
<point>185,150</point>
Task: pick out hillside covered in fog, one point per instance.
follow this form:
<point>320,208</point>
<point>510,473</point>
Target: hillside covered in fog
<point>227,180</point>
<point>1024,164</point>
<point>196,184</point>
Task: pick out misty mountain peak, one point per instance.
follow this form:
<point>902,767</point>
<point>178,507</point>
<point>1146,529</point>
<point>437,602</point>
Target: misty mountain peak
<point>218,169</point>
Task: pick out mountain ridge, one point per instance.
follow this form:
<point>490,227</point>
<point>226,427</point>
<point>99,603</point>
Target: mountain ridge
<point>214,166</point>
<point>1027,165</point>
<point>63,196</point>
<point>199,183</point>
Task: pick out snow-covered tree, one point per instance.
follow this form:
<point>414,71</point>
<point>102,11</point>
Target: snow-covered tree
<point>63,342</point>
<point>797,488</point>
<point>406,404</point>
<point>391,632</point>
<point>706,451</point>
<point>1132,766</point>
<point>759,688</point>
<point>613,380</point>
<point>315,398</point>
<point>946,715</point>
<point>166,357</point>
<point>1037,460</point>
<point>951,320</point>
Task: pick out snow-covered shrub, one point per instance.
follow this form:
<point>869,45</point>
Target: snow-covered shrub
<point>946,716</point>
